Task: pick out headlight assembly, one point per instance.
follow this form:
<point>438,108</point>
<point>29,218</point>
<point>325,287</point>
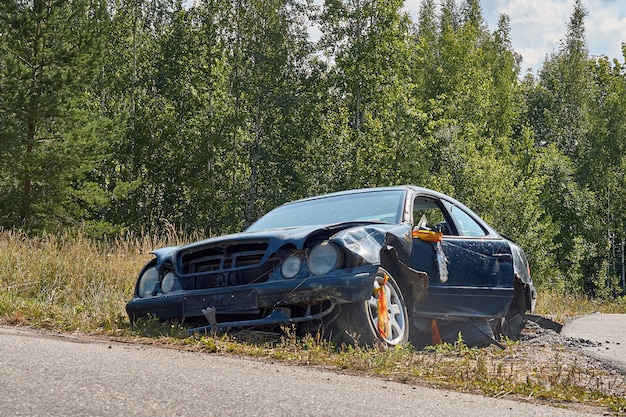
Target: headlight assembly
<point>323,258</point>
<point>168,282</point>
<point>148,282</point>
<point>291,266</point>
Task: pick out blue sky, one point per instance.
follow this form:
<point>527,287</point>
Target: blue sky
<point>538,26</point>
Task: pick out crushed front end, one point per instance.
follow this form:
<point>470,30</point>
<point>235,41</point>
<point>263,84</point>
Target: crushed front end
<point>253,279</point>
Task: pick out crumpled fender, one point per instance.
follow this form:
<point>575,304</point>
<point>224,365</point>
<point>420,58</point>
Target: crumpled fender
<point>366,241</point>
<point>163,254</point>
<point>389,247</point>
<point>417,281</point>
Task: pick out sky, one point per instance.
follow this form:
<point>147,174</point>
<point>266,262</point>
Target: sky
<point>538,26</point>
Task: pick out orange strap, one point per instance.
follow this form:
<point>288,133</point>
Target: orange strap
<point>383,311</point>
<point>436,337</point>
<point>427,235</point>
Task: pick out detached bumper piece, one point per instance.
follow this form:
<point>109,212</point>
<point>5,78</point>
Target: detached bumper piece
<point>279,315</point>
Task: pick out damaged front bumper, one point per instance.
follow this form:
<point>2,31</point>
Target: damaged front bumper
<point>268,303</point>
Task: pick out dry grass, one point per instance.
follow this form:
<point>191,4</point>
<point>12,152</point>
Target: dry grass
<point>71,283</point>
<point>560,307</point>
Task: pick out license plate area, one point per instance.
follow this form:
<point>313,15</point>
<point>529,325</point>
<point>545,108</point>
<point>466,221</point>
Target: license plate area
<point>229,302</point>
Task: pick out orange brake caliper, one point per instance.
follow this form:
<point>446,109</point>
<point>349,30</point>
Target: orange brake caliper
<point>383,311</point>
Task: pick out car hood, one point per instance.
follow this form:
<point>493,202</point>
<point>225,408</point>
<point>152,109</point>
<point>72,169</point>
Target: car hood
<point>380,244</point>
<point>364,239</point>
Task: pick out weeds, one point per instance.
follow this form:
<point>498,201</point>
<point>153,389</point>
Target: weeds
<point>71,283</point>
<point>563,306</point>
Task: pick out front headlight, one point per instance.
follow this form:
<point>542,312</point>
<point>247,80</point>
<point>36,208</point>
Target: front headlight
<point>148,282</point>
<point>168,282</point>
<point>291,266</point>
<point>322,258</point>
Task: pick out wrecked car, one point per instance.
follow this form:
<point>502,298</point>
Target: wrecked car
<point>382,265</point>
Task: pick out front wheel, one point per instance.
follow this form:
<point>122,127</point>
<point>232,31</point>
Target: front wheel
<point>383,318</point>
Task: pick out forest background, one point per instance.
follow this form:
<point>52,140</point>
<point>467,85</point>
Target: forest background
<point>136,116</point>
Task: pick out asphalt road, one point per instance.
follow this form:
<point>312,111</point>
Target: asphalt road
<point>47,375</point>
<point>608,331</point>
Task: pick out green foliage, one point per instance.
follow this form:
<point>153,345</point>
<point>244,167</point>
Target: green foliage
<point>127,115</point>
<point>52,140</point>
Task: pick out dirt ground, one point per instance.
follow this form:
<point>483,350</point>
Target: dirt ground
<point>545,350</point>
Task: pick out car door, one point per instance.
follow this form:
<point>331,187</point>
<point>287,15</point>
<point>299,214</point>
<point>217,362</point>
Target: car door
<point>479,279</point>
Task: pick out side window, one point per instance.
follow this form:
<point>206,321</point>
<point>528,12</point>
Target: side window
<point>428,211</point>
<point>467,225</point>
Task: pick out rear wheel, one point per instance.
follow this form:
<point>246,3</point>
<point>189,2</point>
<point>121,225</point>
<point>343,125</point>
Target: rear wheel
<point>512,327</point>
<point>383,318</point>
<point>512,324</point>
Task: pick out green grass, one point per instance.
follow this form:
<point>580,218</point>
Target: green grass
<point>71,283</point>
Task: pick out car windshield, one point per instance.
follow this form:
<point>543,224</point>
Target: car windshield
<point>373,206</point>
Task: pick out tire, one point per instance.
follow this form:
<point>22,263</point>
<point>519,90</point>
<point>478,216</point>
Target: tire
<point>357,323</point>
<point>512,327</point>
<point>475,333</point>
<point>512,324</point>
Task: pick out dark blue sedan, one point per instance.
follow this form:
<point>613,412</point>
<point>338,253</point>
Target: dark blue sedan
<point>381,265</point>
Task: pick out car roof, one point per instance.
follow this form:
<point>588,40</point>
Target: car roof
<point>418,190</point>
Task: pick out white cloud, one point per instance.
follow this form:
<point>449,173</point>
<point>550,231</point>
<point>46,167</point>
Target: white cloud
<point>538,26</point>
<point>605,26</point>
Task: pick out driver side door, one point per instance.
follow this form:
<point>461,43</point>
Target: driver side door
<point>479,281</point>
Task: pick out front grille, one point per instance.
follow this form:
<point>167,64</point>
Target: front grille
<point>211,262</point>
<point>223,264</point>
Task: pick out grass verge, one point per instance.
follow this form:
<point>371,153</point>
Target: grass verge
<point>71,283</point>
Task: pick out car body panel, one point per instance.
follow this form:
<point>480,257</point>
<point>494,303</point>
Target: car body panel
<point>479,284</point>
